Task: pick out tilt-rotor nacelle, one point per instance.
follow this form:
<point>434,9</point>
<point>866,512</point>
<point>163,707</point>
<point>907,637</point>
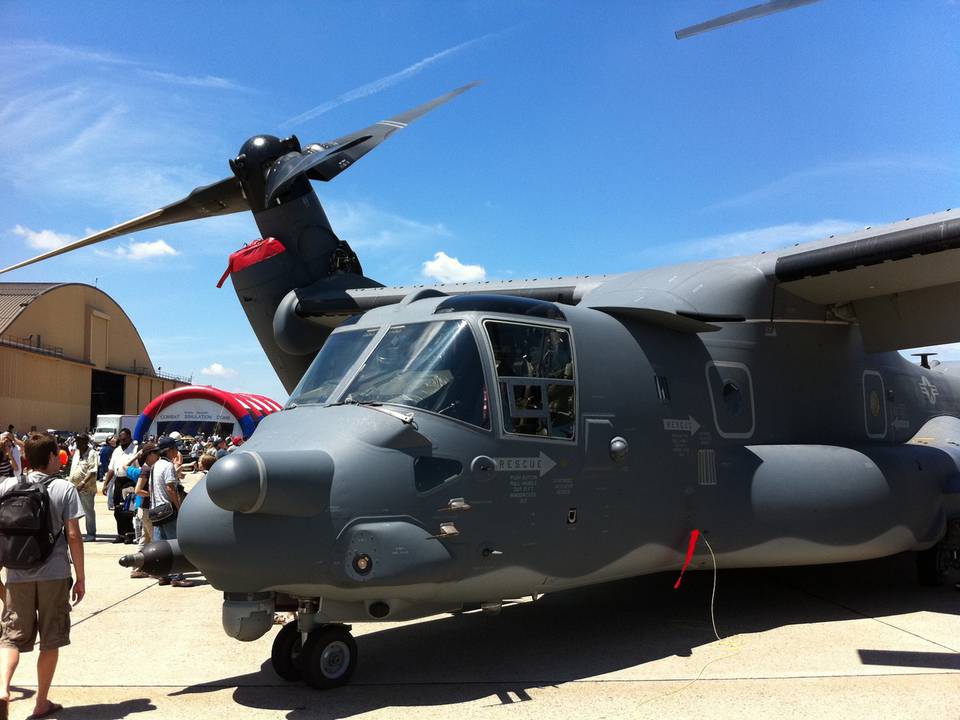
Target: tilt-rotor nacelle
<point>255,161</point>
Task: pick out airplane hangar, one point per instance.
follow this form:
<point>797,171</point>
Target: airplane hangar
<point>69,352</point>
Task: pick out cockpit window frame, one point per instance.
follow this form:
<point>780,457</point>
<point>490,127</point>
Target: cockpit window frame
<point>348,376</point>
<point>510,380</point>
<point>336,395</point>
<point>348,373</point>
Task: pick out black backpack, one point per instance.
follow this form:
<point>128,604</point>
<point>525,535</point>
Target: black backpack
<point>26,529</point>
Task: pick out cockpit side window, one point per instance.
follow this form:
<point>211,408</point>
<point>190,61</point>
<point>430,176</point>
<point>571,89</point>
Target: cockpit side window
<point>535,374</point>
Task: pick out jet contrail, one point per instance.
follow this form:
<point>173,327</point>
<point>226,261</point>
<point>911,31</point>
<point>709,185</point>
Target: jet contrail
<point>383,83</point>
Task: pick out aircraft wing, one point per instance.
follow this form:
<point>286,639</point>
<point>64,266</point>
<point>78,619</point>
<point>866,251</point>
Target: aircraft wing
<point>901,281</point>
<point>330,305</point>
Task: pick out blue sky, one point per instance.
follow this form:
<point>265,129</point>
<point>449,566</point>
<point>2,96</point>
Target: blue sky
<point>596,143</point>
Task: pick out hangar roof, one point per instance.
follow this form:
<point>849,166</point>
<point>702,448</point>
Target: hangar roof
<point>15,296</point>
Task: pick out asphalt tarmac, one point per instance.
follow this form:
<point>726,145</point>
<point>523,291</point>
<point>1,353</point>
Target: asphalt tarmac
<point>860,640</point>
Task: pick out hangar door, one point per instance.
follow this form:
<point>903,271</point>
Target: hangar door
<point>106,394</point>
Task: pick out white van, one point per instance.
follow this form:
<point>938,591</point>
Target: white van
<point>108,425</point>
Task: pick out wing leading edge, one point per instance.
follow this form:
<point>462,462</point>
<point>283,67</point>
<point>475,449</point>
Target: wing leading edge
<point>323,303</point>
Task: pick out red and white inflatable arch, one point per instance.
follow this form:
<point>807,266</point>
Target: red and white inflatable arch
<point>201,408</point>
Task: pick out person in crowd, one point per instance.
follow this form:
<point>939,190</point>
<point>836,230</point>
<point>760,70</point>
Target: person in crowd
<point>83,476</point>
<point>38,600</point>
<point>16,451</point>
<point>236,441</point>
<point>64,459</point>
<point>147,457</point>
<point>206,462</point>
<point>219,447</point>
<point>116,480</point>
<point>8,467</point>
<point>106,451</point>
<point>163,489</point>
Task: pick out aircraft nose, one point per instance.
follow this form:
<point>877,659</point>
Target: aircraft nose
<point>272,483</point>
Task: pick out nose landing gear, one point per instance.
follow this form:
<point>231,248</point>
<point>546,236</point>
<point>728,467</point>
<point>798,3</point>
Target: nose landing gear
<point>325,660</point>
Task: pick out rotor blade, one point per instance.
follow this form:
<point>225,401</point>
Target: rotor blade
<point>324,161</point>
<point>220,198</point>
<point>766,8</point>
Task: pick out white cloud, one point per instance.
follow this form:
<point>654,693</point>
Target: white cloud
<point>43,239</point>
<point>367,227</point>
<point>449,269</point>
<point>218,370</point>
<point>207,81</point>
<point>138,251</point>
<point>88,129</point>
<point>799,182</point>
<point>383,83</point>
<point>62,53</point>
<point>745,242</point>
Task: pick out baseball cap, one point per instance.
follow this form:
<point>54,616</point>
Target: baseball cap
<point>164,443</point>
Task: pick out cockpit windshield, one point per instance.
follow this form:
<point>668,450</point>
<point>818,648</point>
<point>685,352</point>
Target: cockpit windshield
<point>434,366</point>
<point>336,357</point>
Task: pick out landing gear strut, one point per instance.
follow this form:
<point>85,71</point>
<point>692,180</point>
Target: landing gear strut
<point>326,660</point>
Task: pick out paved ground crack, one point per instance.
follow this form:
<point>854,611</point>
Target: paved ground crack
<point>864,615</point>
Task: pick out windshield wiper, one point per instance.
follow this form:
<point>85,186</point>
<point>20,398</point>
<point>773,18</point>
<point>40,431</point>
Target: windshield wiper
<point>405,418</point>
<point>368,403</point>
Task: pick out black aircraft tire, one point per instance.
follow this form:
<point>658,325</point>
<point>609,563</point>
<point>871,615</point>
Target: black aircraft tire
<point>286,651</point>
<point>329,657</point>
<point>931,570</point>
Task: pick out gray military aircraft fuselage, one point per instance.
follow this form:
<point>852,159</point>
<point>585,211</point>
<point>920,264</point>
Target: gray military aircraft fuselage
<point>465,444</point>
<point>467,449</point>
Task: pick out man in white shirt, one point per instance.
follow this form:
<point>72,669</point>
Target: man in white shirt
<point>116,480</point>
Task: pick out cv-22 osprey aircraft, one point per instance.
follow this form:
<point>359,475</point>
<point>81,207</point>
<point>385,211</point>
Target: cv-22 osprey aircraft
<point>456,446</point>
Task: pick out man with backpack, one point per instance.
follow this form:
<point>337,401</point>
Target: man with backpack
<point>38,590</point>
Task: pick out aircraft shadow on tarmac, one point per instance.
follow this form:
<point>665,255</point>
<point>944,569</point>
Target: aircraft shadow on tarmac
<point>585,633</point>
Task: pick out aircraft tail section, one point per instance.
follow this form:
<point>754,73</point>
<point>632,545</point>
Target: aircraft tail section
<point>298,249</point>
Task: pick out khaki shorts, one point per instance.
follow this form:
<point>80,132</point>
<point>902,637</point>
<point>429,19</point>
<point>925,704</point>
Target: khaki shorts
<point>31,606</point>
